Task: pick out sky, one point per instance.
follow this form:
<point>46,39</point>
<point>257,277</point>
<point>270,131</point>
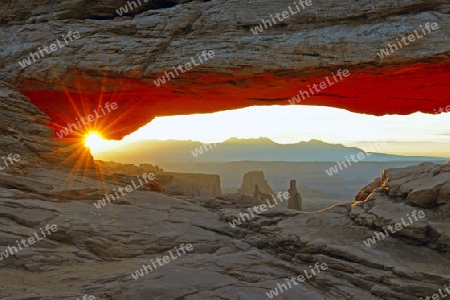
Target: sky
<point>415,134</point>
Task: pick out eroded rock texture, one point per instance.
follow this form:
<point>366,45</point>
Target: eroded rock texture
<point>295,200</point>
<point>184,184</point>
<point>119,59</point>
<point>253,178</point>
<point>95,250</point>
<point>24,131</point>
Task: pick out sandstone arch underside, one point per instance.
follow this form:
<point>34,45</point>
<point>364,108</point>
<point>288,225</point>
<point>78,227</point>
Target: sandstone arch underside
<point>117,59</point>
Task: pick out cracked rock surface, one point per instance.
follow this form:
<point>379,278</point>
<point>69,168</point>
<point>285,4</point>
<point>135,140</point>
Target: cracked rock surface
<point>95,251</point>
<point>120,58</point>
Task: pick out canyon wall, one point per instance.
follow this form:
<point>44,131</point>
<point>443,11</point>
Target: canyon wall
<point>97,249</point>
<point>194,185</point>
<point>25,135</point>
<point>117,59</point>
<point>186,184</point>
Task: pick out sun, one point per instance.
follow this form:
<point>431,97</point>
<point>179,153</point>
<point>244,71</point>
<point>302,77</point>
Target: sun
<point>94,141</point>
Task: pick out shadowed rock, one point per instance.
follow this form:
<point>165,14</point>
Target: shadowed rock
<point>120,59</point>
<point>295,200</point>
<point>96,250</point>
<point>257,193</point>
<point>253,178</point>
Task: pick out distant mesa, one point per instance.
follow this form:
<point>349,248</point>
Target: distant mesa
<point>193,185</point>
<point>171,183</point>
<point>253,178</point>
<point>255,184</point>
<point>236,150</point>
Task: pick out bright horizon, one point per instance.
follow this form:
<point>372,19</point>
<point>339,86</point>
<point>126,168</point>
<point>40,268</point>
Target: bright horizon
<point>411,135</point>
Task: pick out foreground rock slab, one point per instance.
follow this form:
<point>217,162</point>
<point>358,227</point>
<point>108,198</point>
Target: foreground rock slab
<point>95,251</point>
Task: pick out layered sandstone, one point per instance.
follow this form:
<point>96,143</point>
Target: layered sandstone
<point>95,250</point>
<point>251,180</point>
<point>120,57</point>
<point>185,184</point>
<point>24,132</point>
<point>192,184</point>
<point>424,187</point>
